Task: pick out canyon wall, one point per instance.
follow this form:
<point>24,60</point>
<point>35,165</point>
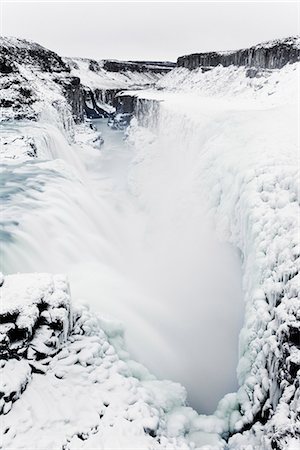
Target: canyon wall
<point>271,55</point>
<point>138,66</point>
<point>33,76</point>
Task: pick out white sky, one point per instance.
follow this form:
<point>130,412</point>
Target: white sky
<point>147,30</point>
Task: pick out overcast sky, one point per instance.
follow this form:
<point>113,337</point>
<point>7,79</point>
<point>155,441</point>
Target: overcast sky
<point>145,30</point>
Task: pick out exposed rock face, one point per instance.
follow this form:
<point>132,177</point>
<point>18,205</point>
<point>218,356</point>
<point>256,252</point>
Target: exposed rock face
<point>74,94</point>
<point>106,96</point>
<point>102,80</point>
<point>29,53</point>
<point>88,86</point>
<point>138,66</point>
<point>125,104</point>
<point>94,106</point>
<point>270,55</point>
<point>32,77</point>
<point>34,315</point>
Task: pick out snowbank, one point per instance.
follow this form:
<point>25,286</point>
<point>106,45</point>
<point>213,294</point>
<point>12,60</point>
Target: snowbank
<point>88,394</point>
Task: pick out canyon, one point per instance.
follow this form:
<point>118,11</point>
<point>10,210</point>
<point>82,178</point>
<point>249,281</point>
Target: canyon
<point>177,222</point>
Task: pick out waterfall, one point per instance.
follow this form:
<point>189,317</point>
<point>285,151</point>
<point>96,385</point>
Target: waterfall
<point>127,225</point>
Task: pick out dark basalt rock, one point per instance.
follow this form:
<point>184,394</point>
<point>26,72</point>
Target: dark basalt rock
<point>125,104</point>
<point>37,328</point>
<point>7,66</point>
<point>271,55</point>
<point>106,96</point>
<point>94,66</point>
<point>91,107</point>
<point>137,66</point>
<point>73,92</point>
<point>19,97</point>
<point>21,51</point>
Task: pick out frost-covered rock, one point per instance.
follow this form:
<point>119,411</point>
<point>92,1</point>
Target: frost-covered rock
<point>107,77</point>
<point>34,78</point>
<point>65,384</point>
<point>35,315</point>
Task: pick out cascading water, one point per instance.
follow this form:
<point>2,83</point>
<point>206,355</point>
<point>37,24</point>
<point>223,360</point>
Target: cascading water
<point>130,231</point>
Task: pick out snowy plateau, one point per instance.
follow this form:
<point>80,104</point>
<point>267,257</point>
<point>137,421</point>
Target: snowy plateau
<point>149,233</point>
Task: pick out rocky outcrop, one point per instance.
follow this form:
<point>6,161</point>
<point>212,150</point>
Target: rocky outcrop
<point>32,78</point>
<point>106,96</point>
<point>125,103</point>
<point>32,75</point>
<point>35,321</point>
<point>35,315</point>
<point>93,107</point>
<point>29,53</point>
<point>270,55</point>
<point>86,394</point>
<point>103,80</point>
<point>74,95</point>
<point>138,66</point>
<point>125,106</point>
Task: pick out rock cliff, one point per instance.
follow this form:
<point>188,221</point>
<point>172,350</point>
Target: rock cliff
<point>270,55</point>
<point>33,76</point>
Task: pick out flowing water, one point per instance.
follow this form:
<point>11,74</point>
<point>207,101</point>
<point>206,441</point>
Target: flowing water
<point>173,285</point>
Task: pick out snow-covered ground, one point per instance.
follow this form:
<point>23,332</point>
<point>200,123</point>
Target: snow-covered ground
<point>99,78</point>
<point>155,232</point>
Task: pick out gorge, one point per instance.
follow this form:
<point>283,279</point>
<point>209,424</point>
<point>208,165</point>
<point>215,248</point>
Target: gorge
<point>195,181</point>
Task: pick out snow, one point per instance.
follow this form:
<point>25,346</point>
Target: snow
<point>30,305</point>
<point>231,125</point>
<point>86,386</point>
<point>215,151</point>
<point>293,41</point>
<point>102,79</point>
<point>267,87</point>
<point>122,250</point>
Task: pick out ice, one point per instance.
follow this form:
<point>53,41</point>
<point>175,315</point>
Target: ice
<point>243,153</point>
<point>84,392</point>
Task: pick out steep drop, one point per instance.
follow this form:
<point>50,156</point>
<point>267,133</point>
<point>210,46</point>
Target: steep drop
<point>152,268</point>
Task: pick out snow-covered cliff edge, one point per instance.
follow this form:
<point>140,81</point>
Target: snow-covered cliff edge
<point>268,55</point>
<point>238,146</point>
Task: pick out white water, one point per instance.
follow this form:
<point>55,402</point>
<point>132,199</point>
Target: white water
<point>158,269</point>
